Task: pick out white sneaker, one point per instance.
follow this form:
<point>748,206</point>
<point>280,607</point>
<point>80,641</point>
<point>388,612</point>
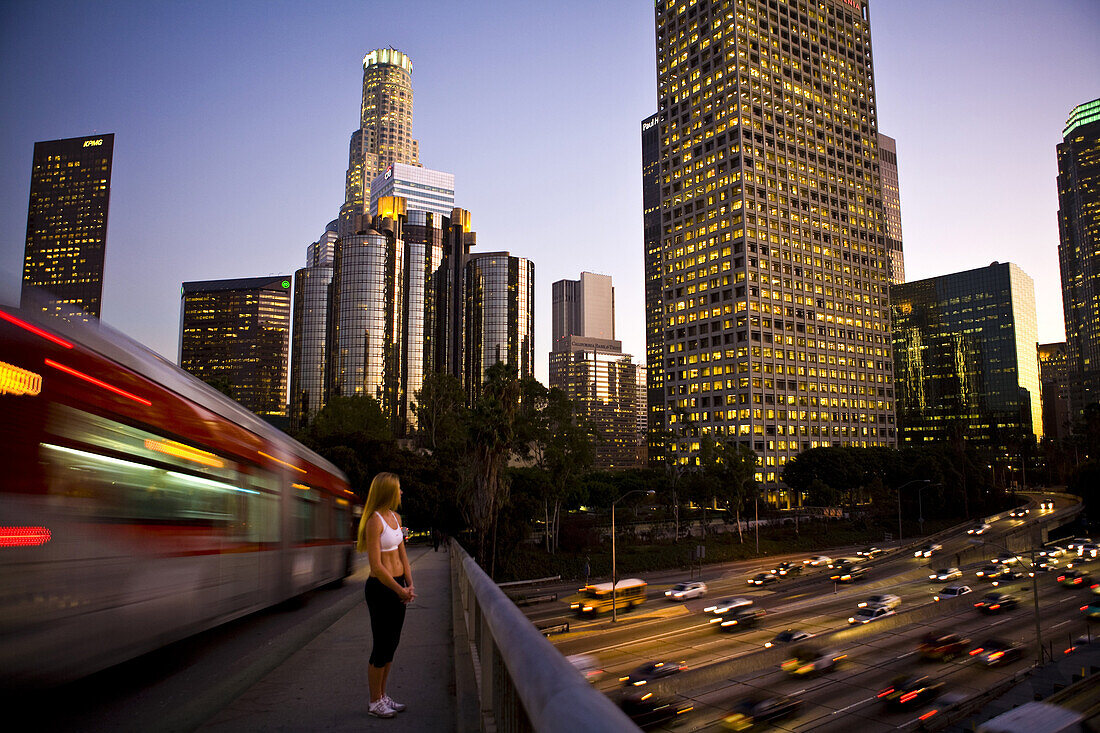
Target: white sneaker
<point>397,707</point>
<point>380,709</point>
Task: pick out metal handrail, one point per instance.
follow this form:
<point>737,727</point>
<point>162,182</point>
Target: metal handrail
<point>524,683</point>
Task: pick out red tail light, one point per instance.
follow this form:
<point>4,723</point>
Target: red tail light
<point>929,714</point>
<point>975,652</point>
<point>884,693</point>
<point>995,606</point>
<point>908,696</point>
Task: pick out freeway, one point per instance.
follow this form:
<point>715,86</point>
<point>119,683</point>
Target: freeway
<point>680,632</point>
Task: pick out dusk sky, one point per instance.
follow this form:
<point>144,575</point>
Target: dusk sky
<point>232,123</point>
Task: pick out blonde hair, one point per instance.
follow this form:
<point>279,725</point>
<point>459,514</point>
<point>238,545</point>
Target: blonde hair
<point>384,494</point>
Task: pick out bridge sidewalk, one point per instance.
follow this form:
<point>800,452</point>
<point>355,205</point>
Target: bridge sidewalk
<point>323,686</point>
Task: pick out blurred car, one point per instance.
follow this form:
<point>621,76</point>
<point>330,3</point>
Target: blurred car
<point>942,647</point>
<point>870,613</point>
<point>1089,550</point>
<point>944,574</point>
<point>1095,588</point>
<point>992,652</point>
<point>1006,558</point>
<point>653,671</point>
<point>978,529</point>
<point>1052,551</point>
<point>997,602</point>
<point>844,561</point>
<point>991,572</point>
<point>910,691</point>
<point>1074,578</point>
<point>724,605</point>
<point>880,599</point>
<point>742,618</point>
<point>951,591</point>
<point>808,660</point>
<point>1010,576</point>
<point>648,710</point>
<point>1075,545</point>
<point>787,568</point>
<point>928,550</point>
<point>684,591</point>
<point>1019,513</point>
<point>587,665</point>
<point>1092,609</point>
<point>871,552</point>
<point>818,560</point>
<point>788,636</point>
<point>763,579</point>
<point>848,573</point>
<point>1048,564</point>
<point>1046,504</point>
<point>758,710</point>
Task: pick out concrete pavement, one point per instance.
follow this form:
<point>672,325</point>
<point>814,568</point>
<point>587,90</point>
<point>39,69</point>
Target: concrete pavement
<point>323,686</point>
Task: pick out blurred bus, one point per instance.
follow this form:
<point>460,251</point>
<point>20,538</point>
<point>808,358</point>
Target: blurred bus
<point>595,598</point>
<point>139,506</point>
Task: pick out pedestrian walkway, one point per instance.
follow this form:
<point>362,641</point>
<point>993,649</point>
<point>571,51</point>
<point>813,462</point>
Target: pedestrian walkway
<point>323,686</point>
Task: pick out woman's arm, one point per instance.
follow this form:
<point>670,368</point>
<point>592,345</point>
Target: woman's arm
<point>405,566</point>
<point>374,556</point>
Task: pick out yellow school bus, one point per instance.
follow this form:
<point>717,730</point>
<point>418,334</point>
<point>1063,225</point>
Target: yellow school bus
<point>595,598</point>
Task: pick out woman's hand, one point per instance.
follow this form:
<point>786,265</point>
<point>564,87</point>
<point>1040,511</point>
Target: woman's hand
<point>406,595</point>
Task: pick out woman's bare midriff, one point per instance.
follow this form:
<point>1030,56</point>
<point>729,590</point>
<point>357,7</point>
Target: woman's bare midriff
<point>391,561</point>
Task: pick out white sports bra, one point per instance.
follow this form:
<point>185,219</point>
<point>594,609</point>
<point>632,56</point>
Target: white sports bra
<point>390,538</point>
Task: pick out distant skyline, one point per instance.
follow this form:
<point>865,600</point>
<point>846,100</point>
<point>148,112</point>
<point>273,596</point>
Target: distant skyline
<point>232,124</point>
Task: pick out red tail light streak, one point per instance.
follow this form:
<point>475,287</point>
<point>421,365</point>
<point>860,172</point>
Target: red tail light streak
<point>99,383</point>
<point>35,330</point>
<point>23,536</point>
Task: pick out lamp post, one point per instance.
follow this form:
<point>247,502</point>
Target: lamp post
<point>926,483</point>
<point>1034,590</point>
<point>614,575</point>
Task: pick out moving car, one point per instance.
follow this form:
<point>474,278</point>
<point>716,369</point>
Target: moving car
<point>1092,609</point>
<point>757,710</point>
<point>1089,550</point>
<point>1008,577</point>
<point>684,591</point>
<point>997,602</point>
<point>1046,505</point>
<point>818,560</point>
<point>648,710</point>
<point>763,579</point>
<point>910,691</point>
<point>587,665</point>
<point>978,529</point>
<point>1052,551</point>
<point>880,599</point>
<point>992,652</point>
<point>951,591</point>
<point>870,613</point>
<point>1074,578</point>
<point>742,618</point>
<point>848,573</point>
<point>653,671</point>
<point>787,568</point>
<point>942,647</point>
<point>1006,558</point>
<point>724,605</point>
<point>944,574</point>
<point>844,561</point>
<point>809,660</point>
<point>1019,513</point>
<point>788,636</point>
<point>928,550</point>
<point>871,552</point>
<point>991,572</point>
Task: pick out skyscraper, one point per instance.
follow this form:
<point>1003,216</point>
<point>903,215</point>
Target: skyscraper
<point>422,188</point>
<point>966,358</point>
<point>1079,251</point>
<point>67,223</point>
<point>234,335</point>
<point>584,307</point>
<point>891,201</point>
<point>1055,386</point>
<point>771,275</point>
<point>499,317</point>
<point>312,299</point>
<point>589,366</point>
<point>384,136</point>
<point>654,310</point>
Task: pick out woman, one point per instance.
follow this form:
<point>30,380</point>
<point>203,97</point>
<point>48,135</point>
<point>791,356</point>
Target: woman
<point>389,588</point>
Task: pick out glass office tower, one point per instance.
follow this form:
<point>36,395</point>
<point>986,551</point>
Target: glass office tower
<point>234,335</point>
<point>67,224</point>
<point>891,200</point>
<point>1054,379</point>
<point>654,313</point>
<point>771,276</point>
<point>966,359</point>
<point>1079,251</point>
<point>499,316</point>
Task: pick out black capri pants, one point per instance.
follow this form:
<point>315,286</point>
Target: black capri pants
<point>387,616</point>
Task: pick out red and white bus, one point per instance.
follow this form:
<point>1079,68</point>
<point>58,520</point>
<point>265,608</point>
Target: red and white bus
<point>139,506</point>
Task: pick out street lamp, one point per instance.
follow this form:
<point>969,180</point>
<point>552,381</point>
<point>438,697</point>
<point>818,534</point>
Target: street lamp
<point>1034,588</point>
<point>926,483</point>
<point>614,576</point>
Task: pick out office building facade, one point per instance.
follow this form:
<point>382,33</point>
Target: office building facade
<point>422,188</point>
<point>499,292</point>
<point>67,224</point>
<point>966,362</point>
<point>654,309</point>
<point>384,136</point>
<point>234,335</point>
<point>584,307</point>
<point>1054,381</point>
<point>771,275</point>
<point>1079,251</point>
<point>891,202</point>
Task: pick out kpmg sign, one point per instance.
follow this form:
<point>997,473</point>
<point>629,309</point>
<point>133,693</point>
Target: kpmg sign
<point>93,143</point>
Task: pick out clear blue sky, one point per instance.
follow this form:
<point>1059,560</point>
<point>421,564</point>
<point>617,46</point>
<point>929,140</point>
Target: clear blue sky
<point>232,124</point>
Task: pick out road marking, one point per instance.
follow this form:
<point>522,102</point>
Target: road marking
<point>853,705</point>
<point>907,654</point>
<point>1061,624</point>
